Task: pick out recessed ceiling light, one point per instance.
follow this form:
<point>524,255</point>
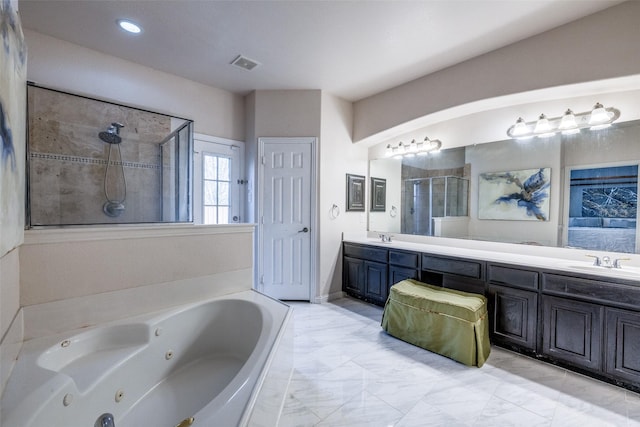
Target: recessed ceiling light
<point>129,26</point>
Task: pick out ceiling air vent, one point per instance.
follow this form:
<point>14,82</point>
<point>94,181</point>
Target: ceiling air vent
<point>245,63</point>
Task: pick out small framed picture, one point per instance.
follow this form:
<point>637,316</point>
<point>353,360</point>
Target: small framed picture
<point>355,192</point>
<point>378,194</point>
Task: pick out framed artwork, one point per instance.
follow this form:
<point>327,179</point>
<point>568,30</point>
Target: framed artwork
<point>13,103</point>
<point>355,192</point>
<point>514,195</point>
<point>378,194</point>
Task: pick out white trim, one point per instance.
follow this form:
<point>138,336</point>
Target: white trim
<point>323,299</point>
<point>217,139</point>
<point>314,263</point>
<point>76,234</point>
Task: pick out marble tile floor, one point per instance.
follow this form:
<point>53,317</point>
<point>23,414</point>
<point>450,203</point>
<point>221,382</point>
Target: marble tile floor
<point>348,372</point>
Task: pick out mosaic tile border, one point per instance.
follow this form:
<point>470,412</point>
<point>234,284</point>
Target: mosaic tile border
<point>93,161</point>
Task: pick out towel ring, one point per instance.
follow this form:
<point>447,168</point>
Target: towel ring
<point>334,212</point>
<point>393,212</point>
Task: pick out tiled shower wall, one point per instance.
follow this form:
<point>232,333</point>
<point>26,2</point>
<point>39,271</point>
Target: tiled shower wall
<point>67,160</point>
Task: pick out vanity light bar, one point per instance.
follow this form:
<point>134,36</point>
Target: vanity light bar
<point>414,148</point>
<point>567,124</point>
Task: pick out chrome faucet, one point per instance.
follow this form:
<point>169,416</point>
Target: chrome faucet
<point>386,238</point>
<point>105,420</point>
<point>606,261</point>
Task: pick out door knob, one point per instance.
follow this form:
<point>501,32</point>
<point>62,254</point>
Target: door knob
<point>304,230</point>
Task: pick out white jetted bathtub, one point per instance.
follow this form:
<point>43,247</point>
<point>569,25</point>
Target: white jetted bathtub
<point>201,364</point>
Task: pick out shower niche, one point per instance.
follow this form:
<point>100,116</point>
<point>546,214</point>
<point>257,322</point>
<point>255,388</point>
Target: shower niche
<point>92,162</point>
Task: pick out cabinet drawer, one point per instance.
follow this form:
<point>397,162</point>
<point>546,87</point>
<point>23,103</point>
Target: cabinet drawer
<point>404,259</point>
<point>592,290</point>
<point>512,276</point>
<point>366,252</point>
<point>452,266</point>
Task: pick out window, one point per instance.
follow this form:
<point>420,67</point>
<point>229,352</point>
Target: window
<point>217,181</point>
<point>217,178</point>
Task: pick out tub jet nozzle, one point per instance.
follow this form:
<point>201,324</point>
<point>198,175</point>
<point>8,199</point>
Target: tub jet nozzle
<point>186,422</point>
<point>105,420</point>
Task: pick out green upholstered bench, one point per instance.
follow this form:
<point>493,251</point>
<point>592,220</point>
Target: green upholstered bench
<point>448,322</point>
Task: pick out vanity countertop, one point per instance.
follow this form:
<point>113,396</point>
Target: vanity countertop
<point>572,264</point>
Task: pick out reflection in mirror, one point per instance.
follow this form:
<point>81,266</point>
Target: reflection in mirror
<point>431,193</point>
<point>602,208</point>
<point>608,148</point>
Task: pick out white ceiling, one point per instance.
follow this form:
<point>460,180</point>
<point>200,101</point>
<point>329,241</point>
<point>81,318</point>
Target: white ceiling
<point>352,49</point>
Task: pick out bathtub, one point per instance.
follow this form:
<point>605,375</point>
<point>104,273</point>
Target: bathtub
<point>204,363</point>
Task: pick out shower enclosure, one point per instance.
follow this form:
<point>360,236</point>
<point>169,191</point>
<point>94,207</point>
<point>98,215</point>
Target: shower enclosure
<point>426,198</point>
<point>94,162</point>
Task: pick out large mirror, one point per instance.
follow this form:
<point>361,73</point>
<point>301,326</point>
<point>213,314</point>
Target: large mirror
<point>575,191</point>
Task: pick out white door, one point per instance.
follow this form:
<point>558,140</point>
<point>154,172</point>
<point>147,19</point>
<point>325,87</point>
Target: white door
<point>286,234</point>
<point>218,182</point>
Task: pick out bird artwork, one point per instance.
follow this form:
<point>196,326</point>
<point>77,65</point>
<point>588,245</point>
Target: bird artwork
<point>515,195</point>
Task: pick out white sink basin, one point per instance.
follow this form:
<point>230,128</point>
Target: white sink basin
<point>624,272</point>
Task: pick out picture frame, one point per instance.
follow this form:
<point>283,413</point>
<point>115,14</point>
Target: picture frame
<point>520,195</point>
<point>378,194</point>
<point>355,192</point>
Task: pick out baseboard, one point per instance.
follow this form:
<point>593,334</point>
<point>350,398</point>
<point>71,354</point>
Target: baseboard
<point>331,297</point>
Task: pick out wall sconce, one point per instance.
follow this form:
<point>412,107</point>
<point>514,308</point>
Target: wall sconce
<point>414,148</point>
<point>568,124</point>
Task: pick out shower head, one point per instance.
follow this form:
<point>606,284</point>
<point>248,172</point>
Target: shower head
<point>112,134</point>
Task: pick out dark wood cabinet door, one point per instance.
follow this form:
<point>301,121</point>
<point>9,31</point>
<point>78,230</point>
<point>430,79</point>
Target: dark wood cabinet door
<point>376,284</point>
<point>464,284</point>
<point>514,314</point>
<point>397,274</point>
<point>353,275</point>
<point>623,345</point>
<point>573,332</point>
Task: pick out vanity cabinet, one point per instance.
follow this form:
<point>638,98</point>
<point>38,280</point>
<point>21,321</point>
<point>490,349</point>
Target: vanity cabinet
<point>572,332</point>
<point>586,322</point>
<point>594,324</point>
<point>455,273</point>
<point>365,272</point>
<point>376,288</point>
<point>353,276</point>
<point>622,344</point>
<point>512,296</point>
<point>403,265</point>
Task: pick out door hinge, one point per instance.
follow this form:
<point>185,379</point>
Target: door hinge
<point>262,279</point>
<point>264,160</point>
